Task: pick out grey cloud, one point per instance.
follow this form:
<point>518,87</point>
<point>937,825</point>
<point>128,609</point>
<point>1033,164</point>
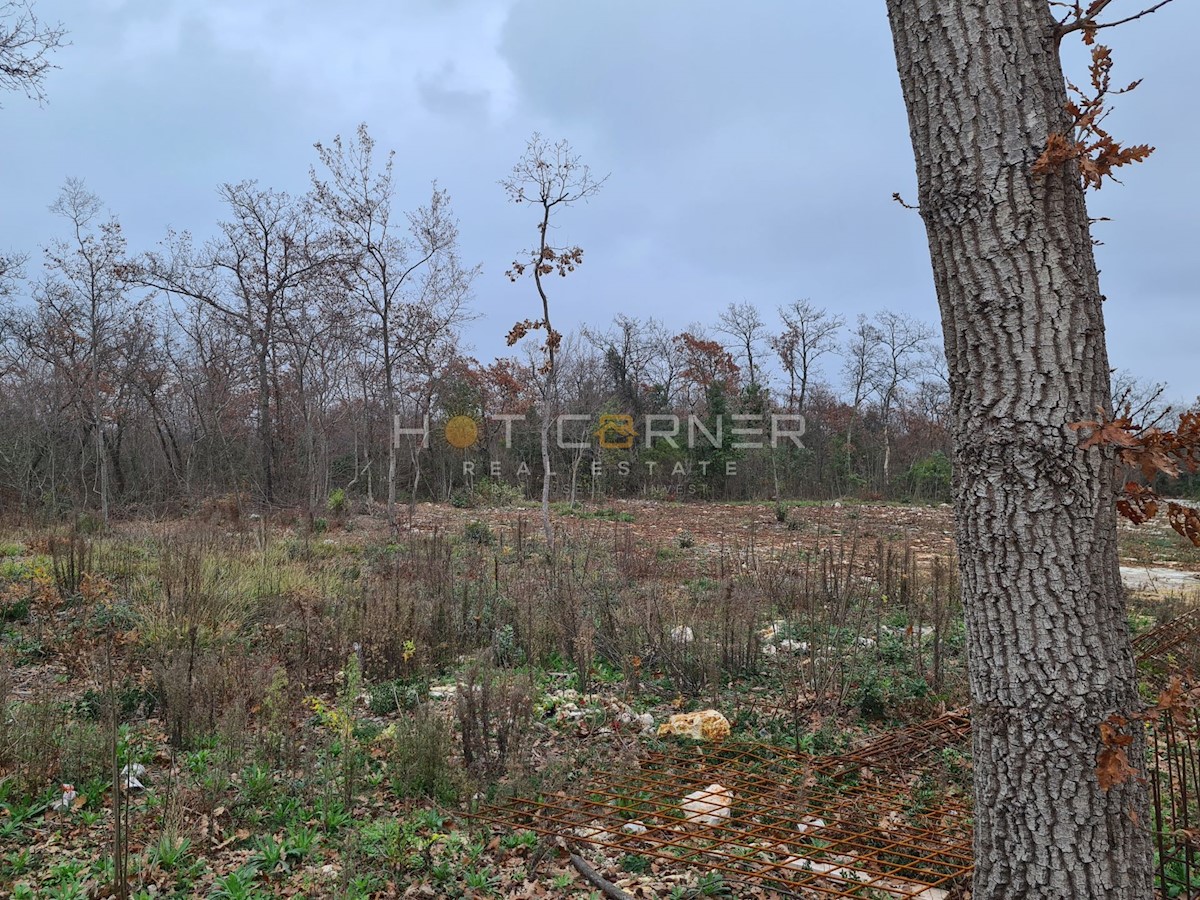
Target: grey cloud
<point>753,148</point>
<point>441,99</point>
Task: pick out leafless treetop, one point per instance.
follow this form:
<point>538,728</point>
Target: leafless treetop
<point>25,45</point>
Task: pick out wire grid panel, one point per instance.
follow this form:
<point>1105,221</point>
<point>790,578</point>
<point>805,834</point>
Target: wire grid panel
<point>768,816</point>
<point>1158,641</point>
<point>1174,775</point>
<point>951,729</point>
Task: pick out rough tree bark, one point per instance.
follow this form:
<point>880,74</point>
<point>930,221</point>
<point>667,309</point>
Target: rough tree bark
<point>1016,281</point>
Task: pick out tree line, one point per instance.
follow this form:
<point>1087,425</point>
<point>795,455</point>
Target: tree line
<point>271,361</point>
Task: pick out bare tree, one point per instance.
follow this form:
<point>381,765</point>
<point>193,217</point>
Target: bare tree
<point>548,176</point>
<point>1048,646</point>
<point>407,278</point>
<point>207,358</point>
<point>81,322</point>
<point>430,351</point>
<point>860,364</point>
<point>809,332</point>
<point>664,366</point>
<point>1143,399</point>
<point>583,390</point>
<point>270,249</point>
<point>25,46</point>
<point>12,270</point>
<point>316,334</point>
<point>742,323</point>
<point>626,352</point>
<point>903,353</point>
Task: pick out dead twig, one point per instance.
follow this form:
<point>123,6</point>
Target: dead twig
<point>595,879</point>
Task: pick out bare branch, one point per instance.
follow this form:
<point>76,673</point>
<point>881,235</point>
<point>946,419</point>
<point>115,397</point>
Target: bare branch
<point>598,881</point>
<point>1088,22</point>
<point>12,268</point>
<point>25,44</point>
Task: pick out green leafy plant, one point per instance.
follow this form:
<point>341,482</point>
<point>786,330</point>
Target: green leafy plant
<point>482,881</point>
<point>270,854</point>
<point>506,650</point>
<point>478,532</point>
<point>400,694</point>
<point>237,885</point>
<point>302,840</point>
<point>419,751</point>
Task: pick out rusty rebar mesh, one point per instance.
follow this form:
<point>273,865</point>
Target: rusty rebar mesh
<point>1174,775</point>
<point>768,816</point>
<point>1152,645</point>
<point>916,741</point>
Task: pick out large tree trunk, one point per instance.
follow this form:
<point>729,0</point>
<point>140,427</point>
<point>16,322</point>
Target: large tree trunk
<point>1021,311</point>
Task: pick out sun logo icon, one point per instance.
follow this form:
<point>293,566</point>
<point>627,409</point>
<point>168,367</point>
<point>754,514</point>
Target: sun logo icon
<point>461,432</point>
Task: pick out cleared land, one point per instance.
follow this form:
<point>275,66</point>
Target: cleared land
<point>347,712</point>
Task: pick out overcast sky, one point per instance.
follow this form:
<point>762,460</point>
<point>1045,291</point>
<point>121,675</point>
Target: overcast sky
<point>753,147</point>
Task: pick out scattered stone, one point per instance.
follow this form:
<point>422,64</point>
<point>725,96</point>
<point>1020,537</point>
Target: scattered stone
<point>842,869</point>
<point>772,631</point>
<point>706,725</point>
<point>711,806</point>
<point>682,634</point>
<point>131,776</point>
<point>594,833</point>
<point>810,823</point>
<point>643,722</point>
<point>804,864</point>
<point>68,799</point>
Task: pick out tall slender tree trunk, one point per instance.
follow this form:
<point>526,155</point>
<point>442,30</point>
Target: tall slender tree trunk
<point>1048,646</point>
<point>391,475</point>
<point>549,398</point>
<point>267,446</point>
<point>547,412</point>
<point>368,438</point>
<point>101,462</point>
<point>389,379</point>
<point>98,412</point>
<point>887,457</point>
